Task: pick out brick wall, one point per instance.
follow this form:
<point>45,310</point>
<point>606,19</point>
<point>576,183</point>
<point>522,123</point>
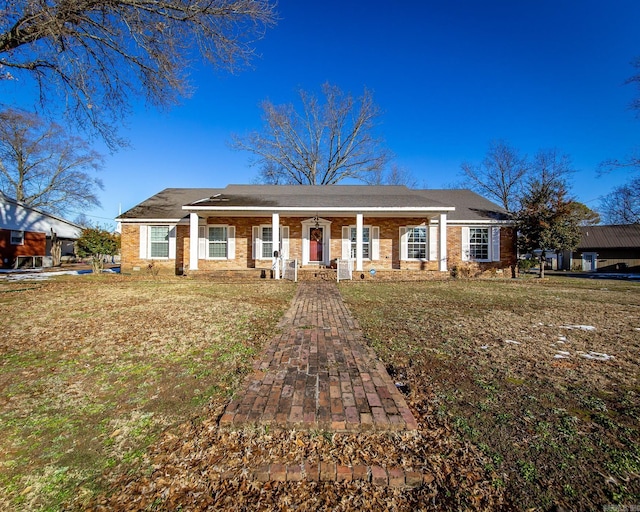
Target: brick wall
<point>35,244</point>
<point>508,253</point>
<point>389,245</point>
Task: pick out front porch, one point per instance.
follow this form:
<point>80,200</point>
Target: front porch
<point>403,241</point>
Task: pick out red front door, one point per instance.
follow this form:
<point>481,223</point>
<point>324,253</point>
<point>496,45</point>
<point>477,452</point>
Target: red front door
<point>315,245</point>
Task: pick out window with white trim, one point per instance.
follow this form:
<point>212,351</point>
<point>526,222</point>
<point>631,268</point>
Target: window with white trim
<point>159,241</point>
<point>366,242</point>
<point>479,244</point>
<point>414,243</point>
<point>266,235</point>
<point>417,243</point>
<point>17,237</point>
<point>217,242</point>
<point>263,242</point>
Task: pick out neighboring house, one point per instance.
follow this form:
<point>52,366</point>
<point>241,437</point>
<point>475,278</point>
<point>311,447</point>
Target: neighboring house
<point>26,235</point>
<point>381,228</point>
<point>614,248</point>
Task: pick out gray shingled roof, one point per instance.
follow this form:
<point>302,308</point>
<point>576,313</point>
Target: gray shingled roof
<point>169,203</point>
<point>610,237</point>
<point>319,196</point>
<point>468,204</point>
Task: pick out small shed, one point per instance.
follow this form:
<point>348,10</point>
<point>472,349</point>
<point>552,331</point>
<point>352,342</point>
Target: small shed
<point>612,248</point>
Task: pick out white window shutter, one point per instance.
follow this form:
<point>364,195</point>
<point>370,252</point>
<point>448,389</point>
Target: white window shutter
<point>172,242</point>
<point>404,248</point>
<point>202,242</point>
<point>256,251</point>
<point>284,241</point>
<point>495,243</point>
<point>432,240</point>
<point>375,243</point>
<point>305,244</point>
<point>346,243</point>
<point>143,242</point>
<point>231,242</point>
<point>466,249</point>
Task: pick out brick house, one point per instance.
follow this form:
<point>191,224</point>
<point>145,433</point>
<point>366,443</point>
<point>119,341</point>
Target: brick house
<point>381,228</point>
<point>26,235</point>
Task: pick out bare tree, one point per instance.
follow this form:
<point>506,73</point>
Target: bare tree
<point>42,166</point>
<point>632,161</point>
<point>551,169</point>
<point>321,145</point>
<point>622,205</point>
<point>394,176</point>
<point>98,53</point>
<point>500,177</point>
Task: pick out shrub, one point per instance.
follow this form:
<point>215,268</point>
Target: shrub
<point>97,243</point>
<point>465,270</point>
<point>524,265</point>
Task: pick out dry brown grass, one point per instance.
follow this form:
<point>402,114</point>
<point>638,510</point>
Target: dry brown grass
<point>558,431</point>
<point>93,369</point>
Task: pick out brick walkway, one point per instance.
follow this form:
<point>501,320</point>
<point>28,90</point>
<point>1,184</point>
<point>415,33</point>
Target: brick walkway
<point>319,374</point>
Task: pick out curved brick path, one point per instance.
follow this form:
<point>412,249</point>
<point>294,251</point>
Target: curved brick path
<point>319,374</point>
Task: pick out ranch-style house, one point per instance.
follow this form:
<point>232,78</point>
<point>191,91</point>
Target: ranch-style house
<point>375,230</point>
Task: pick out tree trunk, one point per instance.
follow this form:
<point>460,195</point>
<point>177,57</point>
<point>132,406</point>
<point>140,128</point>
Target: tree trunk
<point>542,262</point>
<point>56,253</point>
<point>96,264</point>
<point>56,249</point>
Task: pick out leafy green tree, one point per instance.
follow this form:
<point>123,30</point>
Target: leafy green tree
<point>98,244</point>
<point>585,216</point>
<point>547,220</point>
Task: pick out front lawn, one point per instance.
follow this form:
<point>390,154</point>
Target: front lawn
<point>526,393</point>
<point>541,376</point>
<point>93,369</point>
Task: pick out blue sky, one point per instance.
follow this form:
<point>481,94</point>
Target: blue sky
<point>449,76</point>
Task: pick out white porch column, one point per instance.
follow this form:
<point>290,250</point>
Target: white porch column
<point>194,243</point>
<point>359,235</point>
<point>442,243</point>
<point>275,225</point>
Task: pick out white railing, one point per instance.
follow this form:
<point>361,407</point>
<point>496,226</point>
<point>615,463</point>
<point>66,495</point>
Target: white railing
<point>290,270</point>
<point>344,270</point>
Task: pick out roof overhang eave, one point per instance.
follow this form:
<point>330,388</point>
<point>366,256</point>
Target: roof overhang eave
<point>322,209</point>
<point>163,220</point>
<point>501,222</point>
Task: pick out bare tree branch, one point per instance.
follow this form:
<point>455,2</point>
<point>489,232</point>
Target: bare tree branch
<point>321,145</point>
<point>500,177</point>
<point>98,53</point>
<point>43,166</point>
<point>631,162</point>
<point>622,205</point>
